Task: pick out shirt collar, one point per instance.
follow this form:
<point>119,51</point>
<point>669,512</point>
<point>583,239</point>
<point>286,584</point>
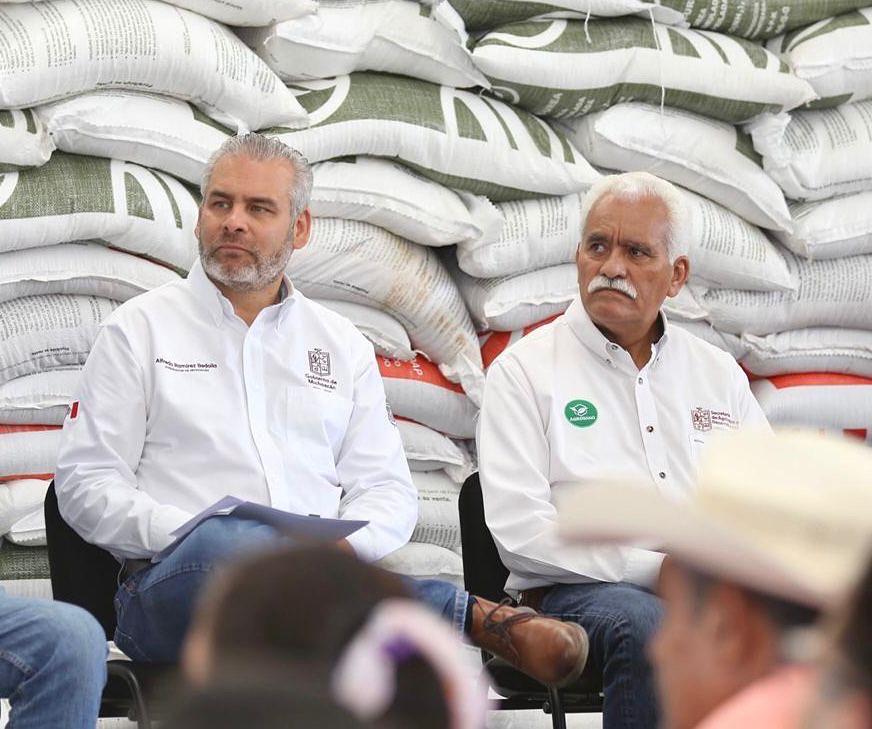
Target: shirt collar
<point>609,352</point>
<point>219,307</point>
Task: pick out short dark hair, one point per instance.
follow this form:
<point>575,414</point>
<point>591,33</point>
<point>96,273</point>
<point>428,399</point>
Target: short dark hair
<point>301,604</point>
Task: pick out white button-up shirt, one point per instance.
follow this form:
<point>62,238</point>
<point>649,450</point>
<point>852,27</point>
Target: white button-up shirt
<point>181,403</point>
<point>566,406</point>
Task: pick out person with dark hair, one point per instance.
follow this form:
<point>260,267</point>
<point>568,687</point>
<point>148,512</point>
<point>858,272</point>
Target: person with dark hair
<point>350,628</point>
<point>233,383</point>
<point>257,699</point>
<point>774,535</point>
<point>843,699</point>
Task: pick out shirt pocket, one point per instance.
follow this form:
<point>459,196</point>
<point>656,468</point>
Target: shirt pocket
<point>316,425</point>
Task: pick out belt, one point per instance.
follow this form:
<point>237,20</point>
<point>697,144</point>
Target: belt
<point>533,597</point>
<point>132,566</point>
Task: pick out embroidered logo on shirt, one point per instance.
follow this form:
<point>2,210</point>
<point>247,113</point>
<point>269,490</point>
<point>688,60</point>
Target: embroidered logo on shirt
<point>74,410</point>
<point>580,413</point>
<point>319,362</point>
<point>702,419</point>
<point>705,420</point>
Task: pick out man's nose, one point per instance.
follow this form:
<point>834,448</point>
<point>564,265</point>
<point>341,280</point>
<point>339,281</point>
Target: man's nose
<point>613,266</point>
<point>235,220</point>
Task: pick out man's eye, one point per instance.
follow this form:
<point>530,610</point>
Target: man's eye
<point>637,252</point>
<point>220,204</point>
<point>596,247</point>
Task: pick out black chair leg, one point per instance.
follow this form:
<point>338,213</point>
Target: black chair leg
<point>122,671</point>
<point>558,716</point>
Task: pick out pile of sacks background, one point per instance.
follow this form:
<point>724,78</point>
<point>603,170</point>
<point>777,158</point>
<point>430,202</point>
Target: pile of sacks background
<point>453,142</point>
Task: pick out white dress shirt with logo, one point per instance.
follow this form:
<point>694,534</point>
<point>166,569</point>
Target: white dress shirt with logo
<point>181,403</point>
<point>566,406</point>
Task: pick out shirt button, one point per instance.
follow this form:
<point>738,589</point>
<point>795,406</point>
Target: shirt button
<point>613,346</point>
<point>641,380</point>
<point>662,474</point>
<point>650,428</point>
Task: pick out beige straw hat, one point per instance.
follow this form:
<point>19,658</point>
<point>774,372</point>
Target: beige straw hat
<point>788,514</point>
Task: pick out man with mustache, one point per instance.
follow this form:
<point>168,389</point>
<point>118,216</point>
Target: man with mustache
<point>609,388</point>
<point>232,382</point>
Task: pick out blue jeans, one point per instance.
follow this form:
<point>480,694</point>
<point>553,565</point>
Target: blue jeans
<point>620,620</point>
<point>154,606</point>
<point>52,663</point>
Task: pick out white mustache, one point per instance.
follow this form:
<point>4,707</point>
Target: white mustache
<point>600,282</point>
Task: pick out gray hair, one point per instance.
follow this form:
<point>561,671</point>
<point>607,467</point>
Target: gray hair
<point>638,185</point>
<point>263,149</point>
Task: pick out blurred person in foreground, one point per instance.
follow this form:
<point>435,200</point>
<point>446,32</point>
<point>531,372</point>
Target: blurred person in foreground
<point>353,630</point>
<point>776,533</point>
<point>609,387</point>
<point>843,699</point>
<point>232,382</point>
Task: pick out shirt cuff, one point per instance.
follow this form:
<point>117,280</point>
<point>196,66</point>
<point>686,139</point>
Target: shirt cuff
<point>643,567</point>
<point>165,519</point>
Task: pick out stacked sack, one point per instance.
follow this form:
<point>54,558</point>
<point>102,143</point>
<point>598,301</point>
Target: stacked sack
<point>813,348</point>
<point>633,88</point>
<point>83,227</point>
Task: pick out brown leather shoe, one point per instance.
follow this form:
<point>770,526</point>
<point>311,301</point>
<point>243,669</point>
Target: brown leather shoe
<point>546,649</point>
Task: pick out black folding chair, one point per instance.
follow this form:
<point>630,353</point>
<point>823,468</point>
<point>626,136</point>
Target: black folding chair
<point>485,575</point>
<point>85,575</point>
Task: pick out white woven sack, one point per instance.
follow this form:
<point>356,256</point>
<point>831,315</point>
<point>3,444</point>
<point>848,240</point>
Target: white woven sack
<point>513,302</point>
<point>352,261</point>
<point>837,292</point>
<point>39,333</point>
<point>83,268</point>
<point>834,228</point>
<point>42,398</point>
<point>818,349</point>
<point>249,12</point>
<point>86,198</point>
<point>156,131</point>
<point>727,252</point>
<point>530,234</point>
<point>418,391</point>
<point>730,343</point>
<point>19,498</point>
<point>29,530</point>
<point>386,334</point>
<point>138,44</point>
<point>455,137</point>
<point>438,514</point>
<point>704,155</point>
<point>391,36</point>
<point>834,55</point>
<point>832,403</point>
<point>28,453</point>
<point>568,68</point>
<point>429,450</point>
<point>393,197</point>
<point>425,562</point>
<point>815,155</point>
<point>24,141</point>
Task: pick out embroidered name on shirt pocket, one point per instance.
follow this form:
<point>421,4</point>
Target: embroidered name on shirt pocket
<point>316,423</point>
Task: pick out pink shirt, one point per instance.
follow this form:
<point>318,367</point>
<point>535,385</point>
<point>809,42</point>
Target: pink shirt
<point>777,701</point>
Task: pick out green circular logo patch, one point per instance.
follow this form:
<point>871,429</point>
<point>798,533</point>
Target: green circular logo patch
<point>580,413</point>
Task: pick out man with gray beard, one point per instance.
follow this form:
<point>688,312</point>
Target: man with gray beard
<point>609,389</point>
<point>232,382</point>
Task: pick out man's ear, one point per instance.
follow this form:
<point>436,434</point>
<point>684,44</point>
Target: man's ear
<point>680,272</point>
<point>302,229</point>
